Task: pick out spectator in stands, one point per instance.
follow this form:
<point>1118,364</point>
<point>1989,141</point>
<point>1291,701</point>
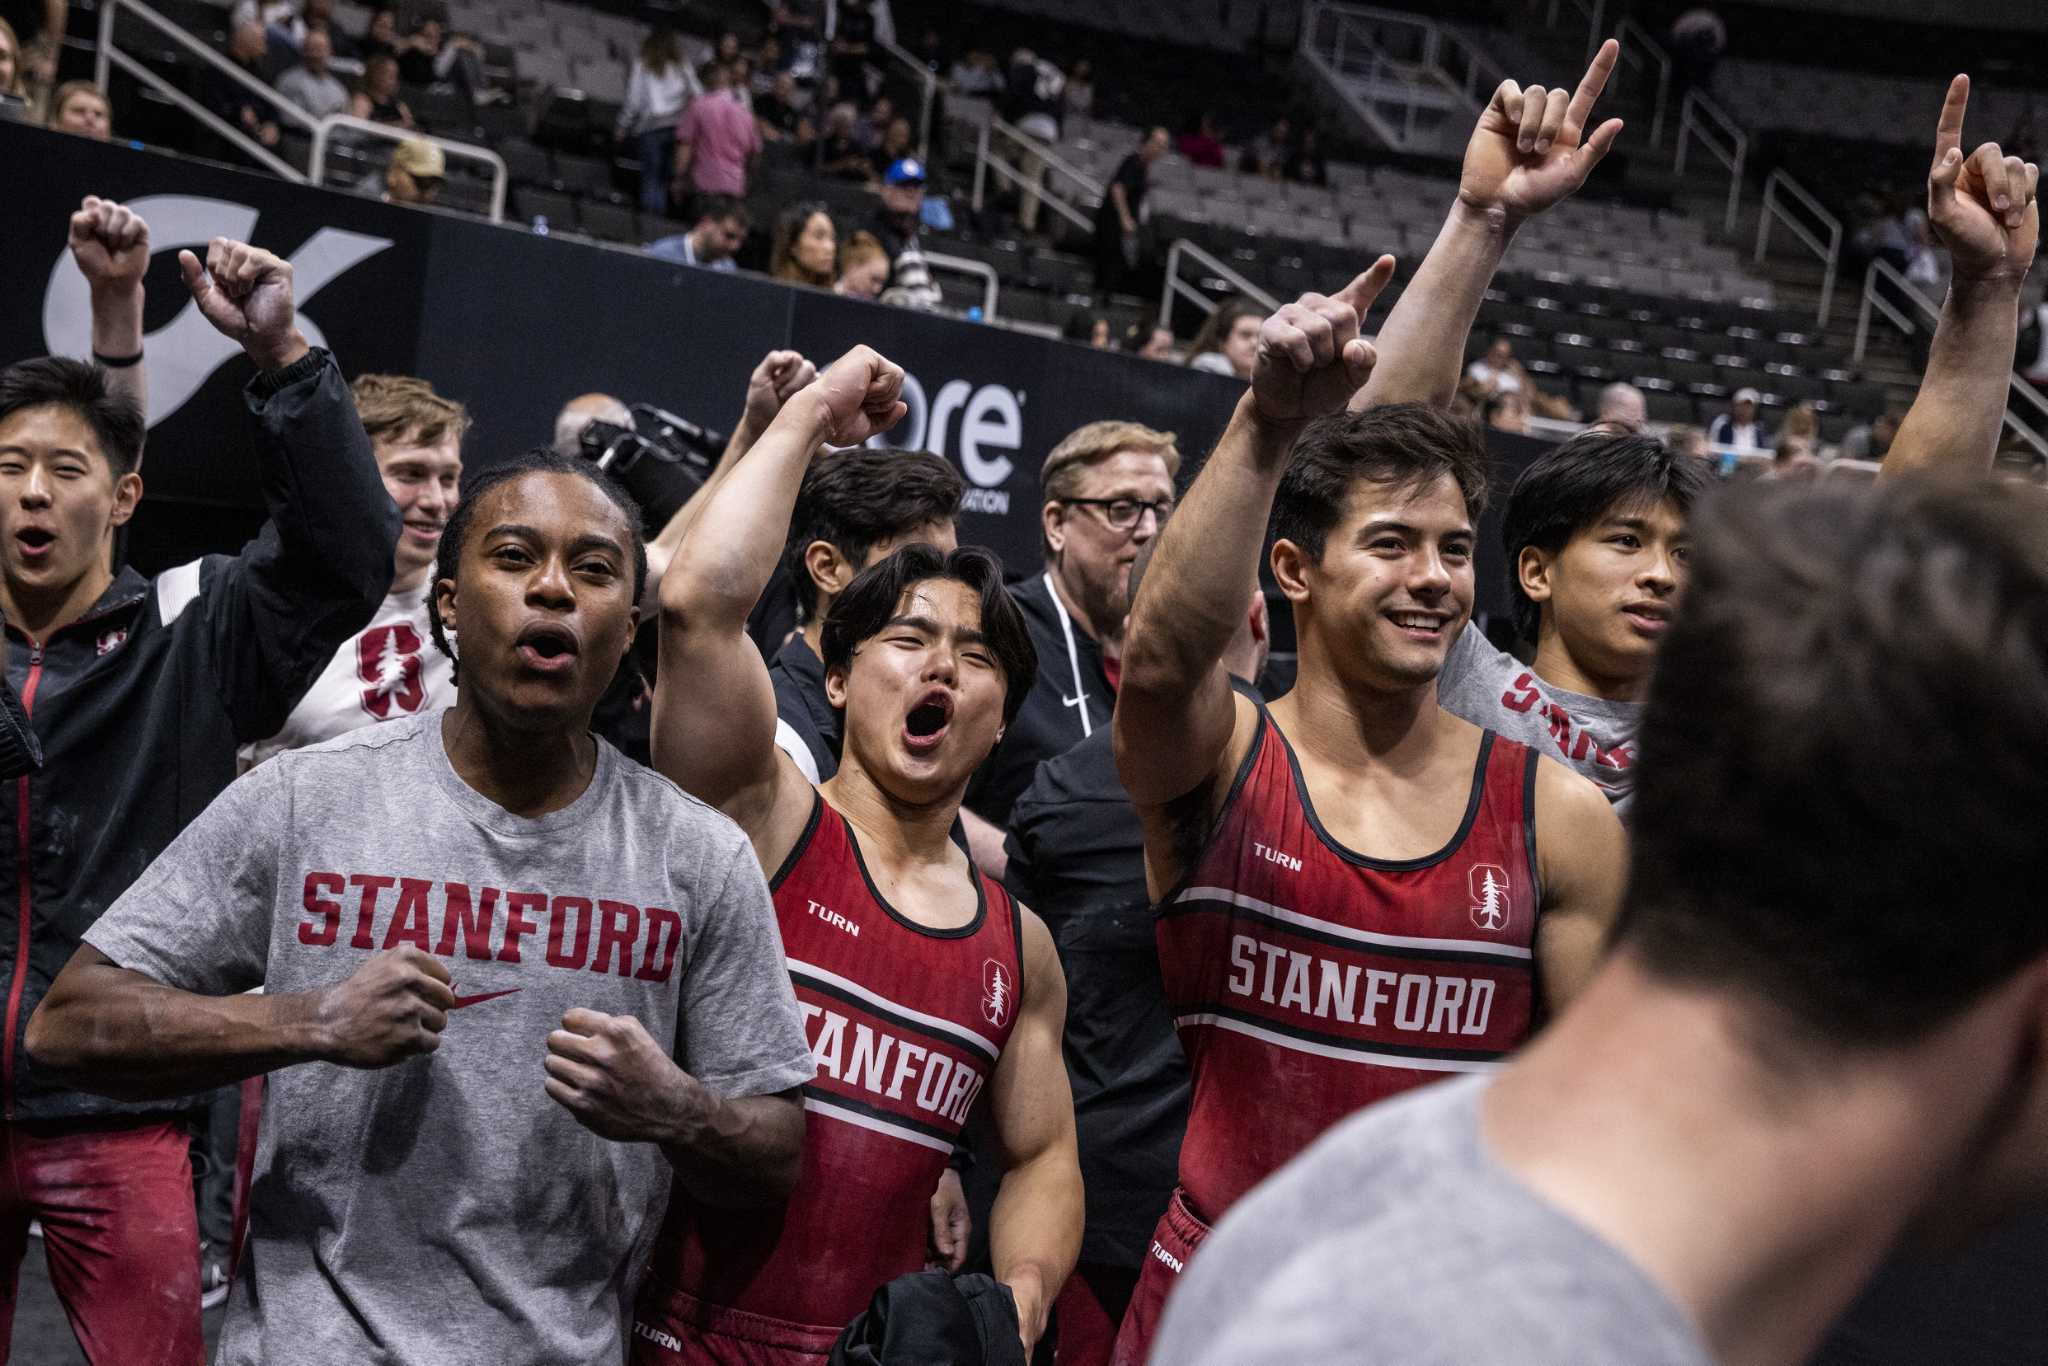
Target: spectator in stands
<point>898,141</point>
<point>1739,427</point>
<point>780,117</point>
<point>863,268</point>
<point>1508,411</point>
<point>578,413</point>
<point>1622,409</point>
<point>1306,165</point>
<point>1079,96</point>
<point>1686,439</point>
<point>742,69</point>
<point>1872,440</point>
<point>234,102</point>
<point>1802,423</point>
<point>806,246</point>
<point>1229,340</point>
<point>840,154</point>
<point>1117,216</point>
<point>1157,344</point>
<point>81,107</point>
<point>416,174</point>
<point>660,85</point>
<point>1498,372</point>
<point>312,84</point>
<point>432,56</point>
<point>975,75</point>
<point>1202,145</point>
<point>1698,38</point>
<point>13,98</point>
<point>873,125</point>
<point>720,231</point>
<point>378,100</point>
<point>852,40</point>
<point>1031,101</point>
<point>37,27</point>
<point>1266,155</point>
<point>899,218</point>
<point>1088,329</point>
<point>716,142</point>
<point>380,38</point>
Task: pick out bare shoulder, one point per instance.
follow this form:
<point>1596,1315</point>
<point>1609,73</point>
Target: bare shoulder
<point>1575,823</point>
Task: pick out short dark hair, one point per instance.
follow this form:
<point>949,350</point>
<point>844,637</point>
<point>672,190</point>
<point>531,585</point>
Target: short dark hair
<point>540,460</point>
<point>856,499</point>
<point>1566,490</point>
<point>1402,444</point>
<point>869,604</point>
<point>719,207</point>
<point>58,381</point>
<point>1844,756</point>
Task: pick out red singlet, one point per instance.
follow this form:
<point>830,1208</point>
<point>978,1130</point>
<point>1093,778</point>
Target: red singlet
<point>1307,980</point>
<point>906,1023</point>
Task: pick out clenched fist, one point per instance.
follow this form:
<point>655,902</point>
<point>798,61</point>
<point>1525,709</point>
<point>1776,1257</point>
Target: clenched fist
<point>110,242</point>
<point>779,375</point>
<point>1311,358</point>
<point>859,396</point>
<point>246,293</point>
<point>608,1071</point>
<point>391,1008</point>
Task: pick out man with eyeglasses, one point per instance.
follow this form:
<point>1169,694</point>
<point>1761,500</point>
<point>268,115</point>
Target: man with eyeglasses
<point>1108,487</point>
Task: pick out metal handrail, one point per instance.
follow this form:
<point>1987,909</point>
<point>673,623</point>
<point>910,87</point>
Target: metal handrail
<point>1178,288</point>
<point>929,87</point>
<point>109,57</point>
<point>1874,302</point>
<point>986,160</point>
<point>1693,114</point>
<point>1829,252</point>
<point>1637,46</point>
<point>1335,37</point>
<point>323,137</point>
<point>982,270</point>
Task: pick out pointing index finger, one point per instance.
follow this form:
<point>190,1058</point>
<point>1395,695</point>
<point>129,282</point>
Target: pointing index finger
<point>1595,81</point>
<point>1948,130</point>
<point>1367,286</point>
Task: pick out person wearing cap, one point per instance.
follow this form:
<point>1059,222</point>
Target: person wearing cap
<point>716,141</point>
<point>898,220</point>
<point>1739,427</point>
<point>416,174</point>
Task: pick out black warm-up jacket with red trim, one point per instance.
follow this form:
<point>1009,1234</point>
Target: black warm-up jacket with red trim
<point>141,703</point>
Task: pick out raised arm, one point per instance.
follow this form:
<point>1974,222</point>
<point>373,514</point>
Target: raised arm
<point>316,573</point>
<point>1982,208</point>
<point>110,243</point>
<point>1582,855</point>
<point>1529,150</point>
<point>714,708</point>
<point>1176,716</point>
<point>1035,1226</point>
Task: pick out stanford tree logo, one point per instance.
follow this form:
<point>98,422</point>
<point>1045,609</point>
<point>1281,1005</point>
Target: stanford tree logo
<point>996,991</point>
<point>1489,883</point>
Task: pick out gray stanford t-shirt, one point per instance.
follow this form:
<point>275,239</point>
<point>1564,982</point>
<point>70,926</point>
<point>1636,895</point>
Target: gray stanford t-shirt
<point>446,1211</point>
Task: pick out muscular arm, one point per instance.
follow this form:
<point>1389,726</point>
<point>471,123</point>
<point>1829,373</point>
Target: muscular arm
<point>714,707</point>
<point>1582,855</point>
<point>114,1032</point>
<point>1035,1227</point>
<point>1956,417</point>
<point>1525,155</point>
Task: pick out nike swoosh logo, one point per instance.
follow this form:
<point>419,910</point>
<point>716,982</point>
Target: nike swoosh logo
<point>462,1001</point>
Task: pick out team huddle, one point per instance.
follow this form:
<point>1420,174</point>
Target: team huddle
<point>574,1059</point>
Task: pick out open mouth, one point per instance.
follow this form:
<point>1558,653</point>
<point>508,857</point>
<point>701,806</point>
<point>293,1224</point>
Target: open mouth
<point>547,649</point>
<point>926,724</point>
<point>35,542</point>
<point>1420,625</point>
<point>1648,618</point>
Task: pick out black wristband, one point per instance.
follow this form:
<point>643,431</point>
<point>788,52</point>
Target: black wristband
<point>118,362</point>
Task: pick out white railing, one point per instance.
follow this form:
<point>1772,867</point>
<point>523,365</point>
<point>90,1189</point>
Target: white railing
<point>987,159</point>
<point>110,57</point>
<point>981,270</point>
<point>1829,251</point>
<point>928,93</point>
<point>1639,49</point>
<point>323,139</point>
<point>1695,116</point>
<point>1177,288</point>
<point>1347,45</point>
<point>1875,303</point>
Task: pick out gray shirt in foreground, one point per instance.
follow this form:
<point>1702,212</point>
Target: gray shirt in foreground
<point>1591,735</point>
<point>445,1211</point>
<point>1397,1241</point>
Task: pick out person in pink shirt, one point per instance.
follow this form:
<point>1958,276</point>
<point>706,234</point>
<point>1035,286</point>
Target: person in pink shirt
<point>716,140</point>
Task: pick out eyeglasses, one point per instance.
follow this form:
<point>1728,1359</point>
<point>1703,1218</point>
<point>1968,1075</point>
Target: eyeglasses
<point>1123,514</point>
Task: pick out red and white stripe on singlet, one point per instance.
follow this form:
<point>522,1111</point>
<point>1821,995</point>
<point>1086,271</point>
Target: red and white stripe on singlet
<point>907,1024</point>
<point>1307,980</point>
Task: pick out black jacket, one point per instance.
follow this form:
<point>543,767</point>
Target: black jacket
<point>799,678</point>
<point>927,1318</point>
<point>141,703</point>
<point>1069,700</point>
<point>1077,857</point>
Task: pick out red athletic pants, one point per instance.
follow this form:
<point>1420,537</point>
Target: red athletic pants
<point>675,1328</point>
<point>115,1201</point>
<point>1173,1242</point>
